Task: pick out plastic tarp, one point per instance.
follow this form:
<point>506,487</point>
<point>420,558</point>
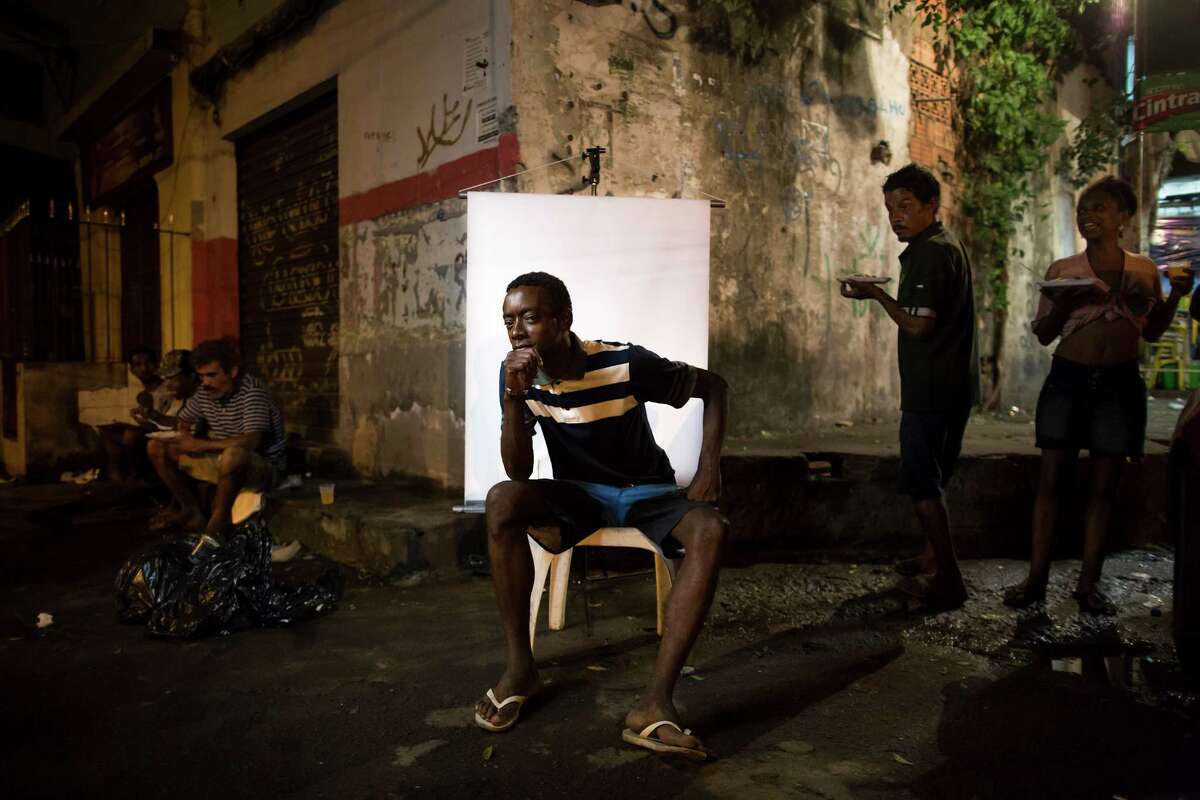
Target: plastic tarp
<point>229,589</point>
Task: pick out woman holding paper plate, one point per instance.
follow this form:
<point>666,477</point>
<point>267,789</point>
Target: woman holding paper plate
<point>1100,302</point>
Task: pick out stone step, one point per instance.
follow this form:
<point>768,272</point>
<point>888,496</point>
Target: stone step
<point>380,529</point>
<point>777,511</point>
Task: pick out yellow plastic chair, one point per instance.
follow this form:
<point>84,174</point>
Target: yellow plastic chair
<point>1169,351</point>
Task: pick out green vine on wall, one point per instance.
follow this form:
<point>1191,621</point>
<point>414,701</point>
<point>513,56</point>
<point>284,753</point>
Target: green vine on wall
<point>1006,56</point>
<point>1092,145</point>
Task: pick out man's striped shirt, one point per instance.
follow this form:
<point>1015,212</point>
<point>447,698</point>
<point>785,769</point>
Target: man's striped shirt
<point>594,417</point>
<point>247,409</point>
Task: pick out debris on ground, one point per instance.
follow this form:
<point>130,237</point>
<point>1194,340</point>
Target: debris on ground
<point>282,553</point>
<point>82,477</point>
<point>229,588</point>
<point>44,620</point>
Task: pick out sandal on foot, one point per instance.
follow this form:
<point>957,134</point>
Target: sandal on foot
<point>1093,602</point>
<point>649,741</point>
<point>1023,595</point>
<point>482,721</point>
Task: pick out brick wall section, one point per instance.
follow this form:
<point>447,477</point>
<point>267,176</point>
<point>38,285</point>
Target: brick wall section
<point>933,142</point>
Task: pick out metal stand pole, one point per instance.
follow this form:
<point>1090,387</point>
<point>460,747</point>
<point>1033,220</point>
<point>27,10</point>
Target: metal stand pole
<point>107,300</point>
<point>171,284</point>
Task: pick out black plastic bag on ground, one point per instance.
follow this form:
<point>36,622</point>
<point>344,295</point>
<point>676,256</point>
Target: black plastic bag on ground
<point>228,589</point>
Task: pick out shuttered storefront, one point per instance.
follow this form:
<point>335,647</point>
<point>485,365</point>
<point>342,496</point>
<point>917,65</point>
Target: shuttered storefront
<point>288,263</point>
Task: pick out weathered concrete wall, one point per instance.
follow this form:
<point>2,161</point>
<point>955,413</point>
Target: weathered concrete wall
<point>403,360</point>
<point>786,142</point>
<point>50,434</point>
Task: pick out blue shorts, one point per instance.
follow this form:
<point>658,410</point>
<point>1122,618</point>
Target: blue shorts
<point>579,509</point>
<point>929,446</point>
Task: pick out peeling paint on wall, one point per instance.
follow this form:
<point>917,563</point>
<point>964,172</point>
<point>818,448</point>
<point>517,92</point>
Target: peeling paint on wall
<point>406,273</point>
<point>403,314</point>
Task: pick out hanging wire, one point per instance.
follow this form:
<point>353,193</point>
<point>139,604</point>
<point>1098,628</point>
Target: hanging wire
<point>462,192</point>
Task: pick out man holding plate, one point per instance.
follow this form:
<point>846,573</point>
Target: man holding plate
<point>934,310</point>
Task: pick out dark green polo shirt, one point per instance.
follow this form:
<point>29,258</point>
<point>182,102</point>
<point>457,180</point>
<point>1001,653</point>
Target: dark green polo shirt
<point>940,373</point>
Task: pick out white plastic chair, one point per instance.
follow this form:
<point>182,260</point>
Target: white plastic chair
<point>246,504</point>
<point>558,568</point>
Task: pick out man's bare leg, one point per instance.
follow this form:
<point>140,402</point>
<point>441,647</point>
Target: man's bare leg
<point>511,506</point>
<point>703,534</point>
<point>165,459</point>
<point>114,455</point>
<point>233,470</point>
<point>946,587</point>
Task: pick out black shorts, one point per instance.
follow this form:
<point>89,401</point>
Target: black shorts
<point>1101,409</point>
<point>930,442</point>
<point>579,509</point>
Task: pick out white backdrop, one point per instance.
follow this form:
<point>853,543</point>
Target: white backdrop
<point>637,271</point>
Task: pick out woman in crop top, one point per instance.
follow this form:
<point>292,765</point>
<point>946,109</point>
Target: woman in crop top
<point>1093,398</point>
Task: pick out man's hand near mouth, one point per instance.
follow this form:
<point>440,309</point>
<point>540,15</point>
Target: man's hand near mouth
<point>521,365</point>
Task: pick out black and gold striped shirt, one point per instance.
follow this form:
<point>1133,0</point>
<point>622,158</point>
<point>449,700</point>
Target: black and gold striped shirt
<point>594,417</point>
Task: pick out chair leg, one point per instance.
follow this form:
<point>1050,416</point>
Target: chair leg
<point>543,561</point>
<point>560,577</point>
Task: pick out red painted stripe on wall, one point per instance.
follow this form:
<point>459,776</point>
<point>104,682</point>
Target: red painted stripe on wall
<point>214,289</point>
<point>430,187</point>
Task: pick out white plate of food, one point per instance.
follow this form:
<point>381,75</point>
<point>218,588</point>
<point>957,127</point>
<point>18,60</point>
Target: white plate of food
<point>865,278</point>
<point>1069,283</point>
<point>163,435</point>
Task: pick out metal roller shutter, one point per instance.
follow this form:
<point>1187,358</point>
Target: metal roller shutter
<point>288,263</point>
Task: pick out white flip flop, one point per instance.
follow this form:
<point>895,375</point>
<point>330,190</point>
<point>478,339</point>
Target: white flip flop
<point>482,721</point>
<point>659,746</point>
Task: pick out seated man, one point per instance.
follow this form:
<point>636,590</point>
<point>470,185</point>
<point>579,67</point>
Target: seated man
<point>587,397</point>
<point>179,384</point>
<point>230,434</point>
<point>124,445</point>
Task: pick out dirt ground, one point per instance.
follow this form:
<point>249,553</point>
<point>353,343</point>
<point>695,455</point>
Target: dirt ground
<point>811,680</point>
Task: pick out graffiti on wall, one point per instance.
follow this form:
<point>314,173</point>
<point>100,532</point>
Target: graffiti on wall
<point>442,128</point>
<point>660,19</point>
<point>732,142</point>
<point>809,148</point>
<point>814,93</point>
<point>813,156</point>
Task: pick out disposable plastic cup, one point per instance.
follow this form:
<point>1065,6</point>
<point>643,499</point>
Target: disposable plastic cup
<point>327,494</point>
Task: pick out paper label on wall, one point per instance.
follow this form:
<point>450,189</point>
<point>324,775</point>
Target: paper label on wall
<point>477,62</point>
<point>486,120</point>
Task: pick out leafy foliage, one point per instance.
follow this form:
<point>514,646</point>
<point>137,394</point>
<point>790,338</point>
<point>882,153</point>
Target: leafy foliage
<point>1091,147</point>
<point>1006,56</point>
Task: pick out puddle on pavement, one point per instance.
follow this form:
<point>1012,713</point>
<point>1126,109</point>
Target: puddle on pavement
<point>1130,669</point>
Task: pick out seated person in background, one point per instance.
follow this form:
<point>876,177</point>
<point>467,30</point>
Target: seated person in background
<point>179,384</point>
<point>124,445</point>
<point>180,381</point>
<point>588,398</point>
<point>230,434</point>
